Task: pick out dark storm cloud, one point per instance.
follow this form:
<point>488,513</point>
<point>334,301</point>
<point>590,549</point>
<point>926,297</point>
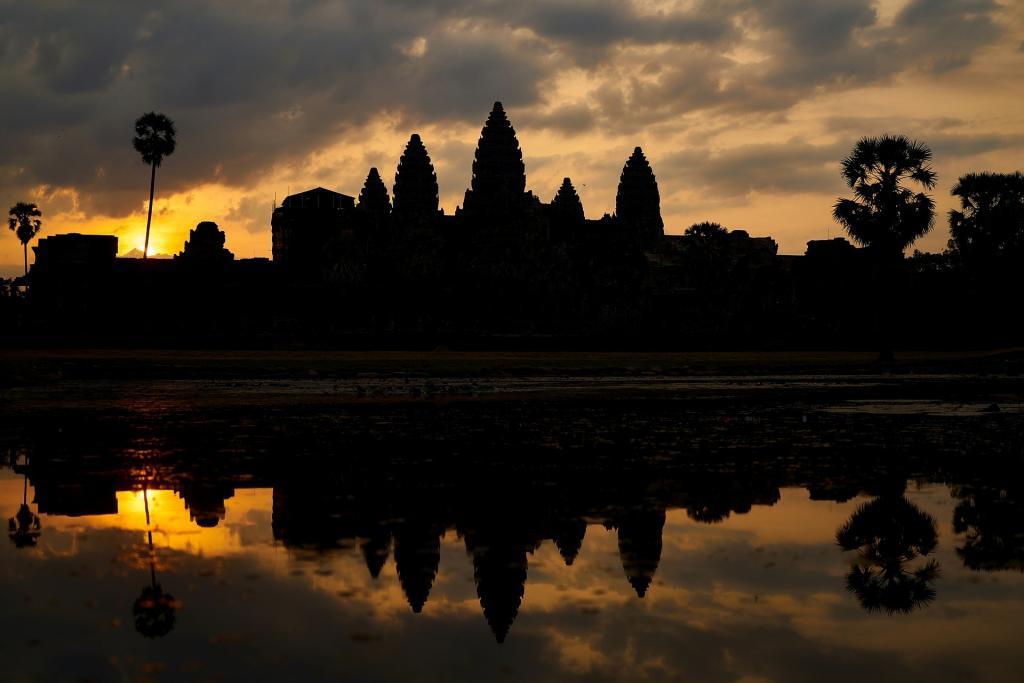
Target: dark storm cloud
<point>254,84</point>
<point>794,166</point>
<point>798,166</point>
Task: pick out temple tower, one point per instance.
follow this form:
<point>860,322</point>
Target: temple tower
<point>415,191</point>
<point>499,175</point>
<point>637,203</point>
<point>566,205</point>
<point>373,198</point>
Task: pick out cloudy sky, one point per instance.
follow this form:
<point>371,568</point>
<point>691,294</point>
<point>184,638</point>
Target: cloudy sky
<point>744,107</point>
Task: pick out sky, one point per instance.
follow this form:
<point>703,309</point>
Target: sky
<point>743,107</point>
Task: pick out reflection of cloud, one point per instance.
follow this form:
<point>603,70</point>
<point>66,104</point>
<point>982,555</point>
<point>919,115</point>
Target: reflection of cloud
<point>255,612</point>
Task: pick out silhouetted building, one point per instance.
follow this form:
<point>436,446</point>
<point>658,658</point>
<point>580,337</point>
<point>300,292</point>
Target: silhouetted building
<point>415,191</point>
<point>640,546</point>
<point>305,224</point>
<point>205,246</point>
<point>375,547</point>
<point>499,176</point>
<point>568,539</point>
<point>638,203</point>
<point>566,207</point>
<point>499,569</point>
<point>374,203</point>
<point>72,251</point>
<point>417,558</point>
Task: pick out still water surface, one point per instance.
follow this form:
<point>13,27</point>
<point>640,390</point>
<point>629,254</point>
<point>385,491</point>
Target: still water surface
<point>223,594</point>
<point>167,533</point>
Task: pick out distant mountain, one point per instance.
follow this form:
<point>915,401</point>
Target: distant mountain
<point>137,253</point>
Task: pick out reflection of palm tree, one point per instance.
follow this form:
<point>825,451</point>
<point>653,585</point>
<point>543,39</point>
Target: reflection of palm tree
<point>890,532</point>
<point>992,521</point>
<point>154,609</point>
<point>24,528</point>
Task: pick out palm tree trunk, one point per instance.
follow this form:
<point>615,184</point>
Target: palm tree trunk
<point>149,218</point>
<point>888,297</point>
<point>24,247</point>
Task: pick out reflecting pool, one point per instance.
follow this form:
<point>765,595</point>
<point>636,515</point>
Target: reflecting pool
<point>662,539</point>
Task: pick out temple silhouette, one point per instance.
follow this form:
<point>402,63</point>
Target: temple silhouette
<point>393,268</point>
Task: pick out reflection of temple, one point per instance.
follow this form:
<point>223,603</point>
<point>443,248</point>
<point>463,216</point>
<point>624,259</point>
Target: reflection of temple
<point>417,558</point>
<point>640,546</point>
<point>400,511</point>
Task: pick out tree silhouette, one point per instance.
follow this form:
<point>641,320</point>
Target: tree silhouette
<point>154,140</point>
<point>885,215</point>
<point>890,532</point>
<point>992,522</point>
<point>989,228</point>
<point>154,610</point>
<point>706,232</point>
<point>24,528</point>
<point>25,220</point>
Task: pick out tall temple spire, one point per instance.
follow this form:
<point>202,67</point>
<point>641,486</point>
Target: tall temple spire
<point>640,547</point>
<point>499,175</point>
<point>569,539</point>
<point>415,190</point>
<point>373,198</point>
<point>499,570</point>
<point>376,547</point>
<point>567,204</point>
<point>638,204</point>
<point>417,558</point>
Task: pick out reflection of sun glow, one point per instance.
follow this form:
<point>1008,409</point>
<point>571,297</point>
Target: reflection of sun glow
<point>172,524</point>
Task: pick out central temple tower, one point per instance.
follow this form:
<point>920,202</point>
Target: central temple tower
<point>499,175</point>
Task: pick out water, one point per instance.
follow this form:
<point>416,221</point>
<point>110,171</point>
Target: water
<point>176,537</point>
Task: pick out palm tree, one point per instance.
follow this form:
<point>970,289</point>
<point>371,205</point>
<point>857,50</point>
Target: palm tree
<point>988,231</point>
<point>885,215</point>
<point>24,220</point>
<point>890,532</point>
<point>154,140</point>
<point>24,528</point>
<point>154,609</point>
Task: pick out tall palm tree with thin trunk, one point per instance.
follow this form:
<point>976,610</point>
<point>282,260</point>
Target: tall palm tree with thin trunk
<point>885,215</point>
<point>25,220</point>
<point>154,140</point>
